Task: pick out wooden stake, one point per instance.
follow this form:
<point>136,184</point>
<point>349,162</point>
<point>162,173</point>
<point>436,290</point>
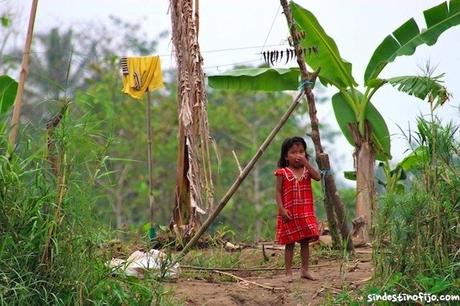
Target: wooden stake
<point>240,178</point>
<point>23,76</point>
<point>148,116</point>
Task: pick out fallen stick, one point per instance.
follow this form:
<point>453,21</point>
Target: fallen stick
<point>268,247</point>
<point>323,288</point>
<point>250,282</point>
<point>318,292</point>
<point>333,289</point>
<point>364,280</point>
<point>245,269</point>
<point>363,251</point>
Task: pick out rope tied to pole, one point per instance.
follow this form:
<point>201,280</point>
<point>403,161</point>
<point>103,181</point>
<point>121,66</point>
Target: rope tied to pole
<point>324,173</point>
<point>306,84</point>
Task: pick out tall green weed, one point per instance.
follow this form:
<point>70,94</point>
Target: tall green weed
<point>417,243</point>
<point>51,240</point>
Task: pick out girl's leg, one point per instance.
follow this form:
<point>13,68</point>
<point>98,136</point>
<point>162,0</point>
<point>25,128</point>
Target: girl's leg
<point>288,256</point>
<point>305,255</point>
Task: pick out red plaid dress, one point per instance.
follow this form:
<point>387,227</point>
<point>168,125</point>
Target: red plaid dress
<point>297,198</point>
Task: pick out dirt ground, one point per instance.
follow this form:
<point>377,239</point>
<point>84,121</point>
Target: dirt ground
<point>211,288</point>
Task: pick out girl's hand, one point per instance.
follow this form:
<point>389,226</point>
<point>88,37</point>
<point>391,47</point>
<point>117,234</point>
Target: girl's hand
<point>285,214</point>
<point>311,170</point>
<point>302,160</point>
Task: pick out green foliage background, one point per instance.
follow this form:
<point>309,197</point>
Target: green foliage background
<point>103,136</point>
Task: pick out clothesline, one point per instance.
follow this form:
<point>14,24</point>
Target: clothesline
<point>77,59</point>
<point>172,52</point>
<point>76,62</point>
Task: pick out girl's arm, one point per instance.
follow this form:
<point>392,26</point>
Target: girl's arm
<point>278,186</point>
<point>314,174</point>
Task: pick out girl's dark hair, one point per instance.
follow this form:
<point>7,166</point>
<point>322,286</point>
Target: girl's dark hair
<point>287,144</point>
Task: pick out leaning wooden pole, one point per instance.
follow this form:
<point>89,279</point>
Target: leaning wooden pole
<point>244,173</point>
<point>332,199</point>
<point>23,76</point>
<point>148,116</point>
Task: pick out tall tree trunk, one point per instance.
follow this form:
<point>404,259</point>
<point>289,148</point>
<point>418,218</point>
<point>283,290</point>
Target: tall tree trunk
<point>194,188</point>
<point>365,186</point>
<point>331,197</point>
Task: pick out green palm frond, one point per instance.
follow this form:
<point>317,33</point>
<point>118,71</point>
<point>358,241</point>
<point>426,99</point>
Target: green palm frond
<point>423,87</point>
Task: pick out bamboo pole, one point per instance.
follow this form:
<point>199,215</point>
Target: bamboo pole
<point>148,115</point>
<point>241,177</point>
<point>23,76</point>
<point>333,201</point>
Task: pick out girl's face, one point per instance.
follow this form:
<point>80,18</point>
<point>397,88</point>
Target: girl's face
<point>295,154</point>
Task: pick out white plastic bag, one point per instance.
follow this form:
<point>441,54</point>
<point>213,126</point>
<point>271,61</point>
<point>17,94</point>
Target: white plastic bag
<point>139,262</point>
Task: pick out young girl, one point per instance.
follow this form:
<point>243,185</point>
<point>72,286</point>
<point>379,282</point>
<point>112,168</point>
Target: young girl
<point>296,217</point>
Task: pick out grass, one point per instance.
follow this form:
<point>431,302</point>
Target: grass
<point>53,250</point>
<point>419,230</point>
<point>50,242</point>
<point>417,233</point>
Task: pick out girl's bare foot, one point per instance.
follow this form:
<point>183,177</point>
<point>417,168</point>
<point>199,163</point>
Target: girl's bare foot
<point>306,274</point>
<point>288,278</point>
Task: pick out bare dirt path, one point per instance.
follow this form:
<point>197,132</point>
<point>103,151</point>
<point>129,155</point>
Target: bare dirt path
<point>209,288</point>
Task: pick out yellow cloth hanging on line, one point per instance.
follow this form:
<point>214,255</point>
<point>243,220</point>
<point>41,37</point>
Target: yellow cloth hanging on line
<point>141,74</point>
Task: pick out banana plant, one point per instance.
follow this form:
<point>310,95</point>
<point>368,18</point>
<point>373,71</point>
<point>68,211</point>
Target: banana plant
<point>359,120</point>
<point>392,179</point>
<point>361,123</point>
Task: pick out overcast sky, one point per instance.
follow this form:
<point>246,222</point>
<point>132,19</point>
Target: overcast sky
<point>357,26</point>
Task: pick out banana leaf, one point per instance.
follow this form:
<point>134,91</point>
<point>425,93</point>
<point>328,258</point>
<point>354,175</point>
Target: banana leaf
<point>380,134</point>
<point>422,87</point>
<point>8,89</point>
<point>405,39</point>
<point>258,79</point>
<point>416,159</point>
<point>334,70</point>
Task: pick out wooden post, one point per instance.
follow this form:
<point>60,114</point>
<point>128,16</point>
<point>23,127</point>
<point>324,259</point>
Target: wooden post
<point>148,116</point>
<point>23,76</point>
<point>241,177</point>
